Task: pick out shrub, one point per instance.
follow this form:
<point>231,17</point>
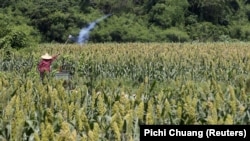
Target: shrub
<point>240,32</point>
<point>173,35</point>
<point>19,37</point>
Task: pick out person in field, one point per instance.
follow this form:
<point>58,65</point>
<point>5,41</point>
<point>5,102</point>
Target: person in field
<point>44,66</point>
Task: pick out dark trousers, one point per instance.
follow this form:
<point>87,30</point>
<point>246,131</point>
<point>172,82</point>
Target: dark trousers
<point>43,75</point>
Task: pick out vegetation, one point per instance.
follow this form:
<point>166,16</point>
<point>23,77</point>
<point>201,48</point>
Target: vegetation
<point>117,87</point>
<point>27,21</point>
<point>151,62</point>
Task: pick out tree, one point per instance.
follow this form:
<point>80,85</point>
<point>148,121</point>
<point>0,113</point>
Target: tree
<point>168,13</point>
<point>132,20</point>
<point>215,11</point>
<point>15,31</point>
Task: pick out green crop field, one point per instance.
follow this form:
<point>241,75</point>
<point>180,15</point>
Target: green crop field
<point>116,87</point>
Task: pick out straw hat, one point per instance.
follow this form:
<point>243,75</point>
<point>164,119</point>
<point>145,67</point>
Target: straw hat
<point>46,56</point>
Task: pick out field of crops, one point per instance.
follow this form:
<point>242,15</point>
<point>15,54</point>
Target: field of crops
<point>117,87</point>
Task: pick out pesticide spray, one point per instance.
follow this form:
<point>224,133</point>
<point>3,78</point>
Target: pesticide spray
<point>84,32</point>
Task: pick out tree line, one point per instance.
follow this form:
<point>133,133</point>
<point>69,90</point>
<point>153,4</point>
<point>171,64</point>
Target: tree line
<point>24,22</point>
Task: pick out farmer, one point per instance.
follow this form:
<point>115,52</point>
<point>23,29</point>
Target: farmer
<point>44,65</point>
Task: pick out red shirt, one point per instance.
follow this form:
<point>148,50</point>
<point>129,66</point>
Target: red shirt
<point>44,64</point>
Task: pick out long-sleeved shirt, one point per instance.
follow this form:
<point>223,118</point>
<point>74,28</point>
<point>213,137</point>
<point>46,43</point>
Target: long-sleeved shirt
<point>44,64</point>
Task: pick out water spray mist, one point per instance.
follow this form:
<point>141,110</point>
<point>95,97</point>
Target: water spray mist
<point>84,32</point>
